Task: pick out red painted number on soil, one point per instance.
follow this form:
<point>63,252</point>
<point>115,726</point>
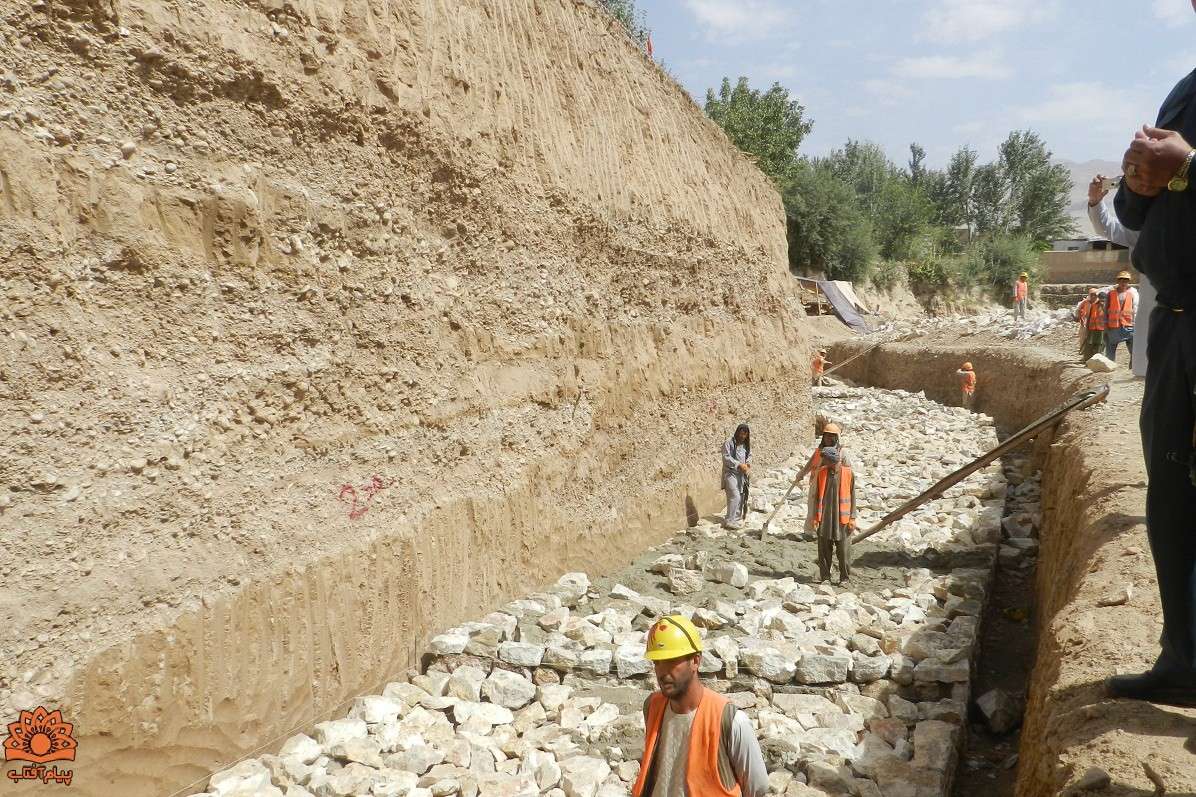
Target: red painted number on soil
<point>359,502</point>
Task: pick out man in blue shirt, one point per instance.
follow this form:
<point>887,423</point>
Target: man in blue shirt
<point>1156,199</point>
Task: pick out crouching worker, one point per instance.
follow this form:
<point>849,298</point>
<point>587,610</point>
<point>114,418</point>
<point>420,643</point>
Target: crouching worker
<point>834,514</point>
<point>696,742</point>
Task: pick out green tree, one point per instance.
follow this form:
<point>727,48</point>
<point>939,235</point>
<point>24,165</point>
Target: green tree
<point>917,163</point>
<point>827,232</point>
<point>768,125</point>
<point>864,166</point>
<point>1038,191</point>
<point>995,261</point>
<point>902,218</point>
<point>634,21</point>
<point>952,191</point>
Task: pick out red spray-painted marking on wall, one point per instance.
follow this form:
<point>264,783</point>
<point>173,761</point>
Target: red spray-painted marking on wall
<point>359,503</point>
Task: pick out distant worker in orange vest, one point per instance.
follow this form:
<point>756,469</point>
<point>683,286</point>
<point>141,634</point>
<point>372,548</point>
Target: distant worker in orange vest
<point>1090,313</point>
<point>967,385</point>
<point>820,364</point>
<point>1021,294</point>
<point>1122,304</point>
<point>829,439</point>
<point>834,513</point>
<point>696,742</point>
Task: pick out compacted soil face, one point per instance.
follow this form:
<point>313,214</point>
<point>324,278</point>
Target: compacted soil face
<point>1094,552</point>
<point>325,325</point>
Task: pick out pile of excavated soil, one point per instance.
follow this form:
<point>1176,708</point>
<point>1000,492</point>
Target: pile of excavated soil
<point>328,324</point>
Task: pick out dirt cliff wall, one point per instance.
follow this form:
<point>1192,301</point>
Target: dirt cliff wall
<point>328,324</point>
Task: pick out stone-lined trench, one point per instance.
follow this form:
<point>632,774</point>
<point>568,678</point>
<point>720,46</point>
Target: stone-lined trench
<point>862,688</point>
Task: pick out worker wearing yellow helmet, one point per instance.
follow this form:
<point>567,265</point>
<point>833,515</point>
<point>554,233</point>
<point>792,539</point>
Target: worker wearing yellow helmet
<point>696,742</point>
<point>829,438</point>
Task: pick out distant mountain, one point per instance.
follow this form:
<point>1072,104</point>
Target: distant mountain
<point>1081,175</point>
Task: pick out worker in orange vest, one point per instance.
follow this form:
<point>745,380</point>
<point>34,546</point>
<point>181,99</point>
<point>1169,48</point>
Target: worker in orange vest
<point>820,364</point>
<point>1021,293</point>
<point>1122,305</point>
<point>967,385</point>
<point>834,513</point>
<point>1090,313</point>
<point>829,439</point>
<point>696,742</point>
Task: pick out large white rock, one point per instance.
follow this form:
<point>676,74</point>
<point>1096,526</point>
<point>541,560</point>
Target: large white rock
<point>596,661</point>
<point>337,732</point>
<point>375,708</point>
<point>449,644</point>
<point>493,713</point>
<point>732,573</point>
<point>822,668</point>
<point>553,696</point>
<point>1099,363</point>
<point>1001,712</point>
<point>769,664</point>
<point>466,683</point>
<point>302,748</point>
<point>935,745</point>
<point>630,661</point>
<point>247,776</point>
<point>582,775</point>
<point>508,689</point>
<point>521,654</point>
<point>685,582</point>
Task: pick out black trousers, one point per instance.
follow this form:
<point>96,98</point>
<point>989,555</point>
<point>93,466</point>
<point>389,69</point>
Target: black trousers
<point>1168,416</point>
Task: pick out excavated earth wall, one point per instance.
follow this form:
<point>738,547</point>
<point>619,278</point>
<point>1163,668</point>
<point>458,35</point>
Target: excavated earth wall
<point>277,275</point>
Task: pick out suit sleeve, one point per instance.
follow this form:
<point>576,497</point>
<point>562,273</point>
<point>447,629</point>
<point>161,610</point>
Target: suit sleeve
<point>1131,208</point>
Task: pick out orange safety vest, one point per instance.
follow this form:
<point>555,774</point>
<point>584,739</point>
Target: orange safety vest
<point>705,736</point>
<point>1019,290</point>
<point>845,479</point>
<point>969,381</point>
<point>819,364</point>
<point>1121,310</point>
<point>1091,317</point>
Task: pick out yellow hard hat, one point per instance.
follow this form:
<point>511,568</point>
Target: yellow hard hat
<point>671,638</point>
<point>831,428</point>
<point>1125,275</point>
<point>967,366</point>
<point>1024,274</point>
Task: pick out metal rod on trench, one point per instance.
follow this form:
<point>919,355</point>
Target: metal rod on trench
<point>873,347</point>
<point>1077,402</point>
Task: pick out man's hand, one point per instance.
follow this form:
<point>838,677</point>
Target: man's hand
<point>1154,157</point>
<point>1096,190</point>
<point>743,467</point>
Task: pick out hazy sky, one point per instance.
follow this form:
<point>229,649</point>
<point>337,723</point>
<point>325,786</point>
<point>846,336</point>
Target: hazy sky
<point>1083,73</point>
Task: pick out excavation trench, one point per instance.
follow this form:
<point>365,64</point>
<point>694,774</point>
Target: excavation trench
<point>855,688</point>
<point>1091,525</point>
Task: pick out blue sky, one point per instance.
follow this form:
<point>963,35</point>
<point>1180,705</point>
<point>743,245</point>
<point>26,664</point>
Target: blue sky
<point>1083,73</point>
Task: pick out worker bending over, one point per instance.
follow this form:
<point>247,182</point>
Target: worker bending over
<point>967,385</point>
<point>834,513</point>
<point>696,742</point>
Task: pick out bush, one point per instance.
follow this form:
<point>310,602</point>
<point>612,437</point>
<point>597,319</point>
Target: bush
<point>934,272</point>
<point>853,260</point>
<point>995,262</point>
<point>889,274</point>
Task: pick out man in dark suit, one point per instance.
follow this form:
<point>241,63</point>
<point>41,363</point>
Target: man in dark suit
<point>1157,199</point>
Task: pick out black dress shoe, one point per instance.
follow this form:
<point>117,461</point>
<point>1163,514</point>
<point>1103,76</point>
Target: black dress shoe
<point>1154,687</point>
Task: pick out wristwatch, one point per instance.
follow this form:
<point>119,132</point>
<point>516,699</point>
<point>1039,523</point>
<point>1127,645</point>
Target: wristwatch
<point>1180,181</point>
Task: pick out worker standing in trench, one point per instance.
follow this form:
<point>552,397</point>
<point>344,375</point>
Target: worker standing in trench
<point>834,513</point>
<point>737,468</point>
<point>829,439</point>
<point>967,385</point>
<point>820,364</point>
<point>1157,197</point>
<point>696,742</point>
